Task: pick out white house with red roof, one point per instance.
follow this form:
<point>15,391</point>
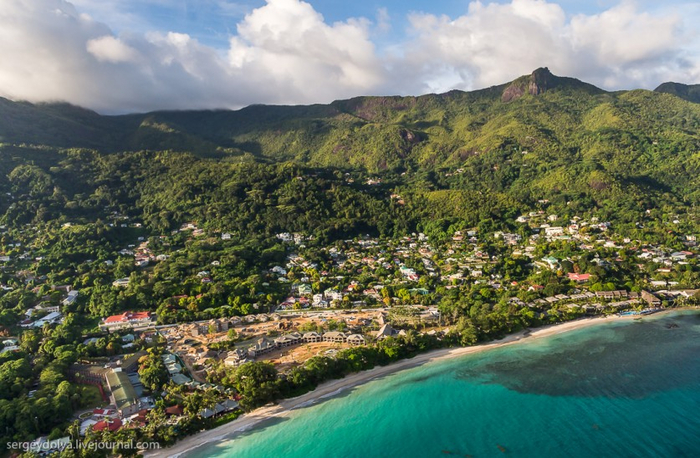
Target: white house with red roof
<point>126,320</point>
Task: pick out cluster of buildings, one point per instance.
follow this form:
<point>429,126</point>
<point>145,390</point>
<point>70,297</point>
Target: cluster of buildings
<point>128,407</point>
<point>413,263</point>
<point>265,345</point>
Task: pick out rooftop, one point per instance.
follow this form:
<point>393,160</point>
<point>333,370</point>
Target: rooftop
<point>122,389</point>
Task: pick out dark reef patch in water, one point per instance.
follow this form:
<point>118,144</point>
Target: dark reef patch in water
<point>600,362</point>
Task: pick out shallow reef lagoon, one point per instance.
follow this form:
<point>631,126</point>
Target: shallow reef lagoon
<point>619,389</point>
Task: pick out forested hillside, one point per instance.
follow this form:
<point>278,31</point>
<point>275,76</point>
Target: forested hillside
<point>265,168</point>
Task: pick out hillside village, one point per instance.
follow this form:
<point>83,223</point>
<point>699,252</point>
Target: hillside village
<point>313,300</point>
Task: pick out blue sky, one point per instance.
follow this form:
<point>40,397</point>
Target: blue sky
<point>139,55</point>
<point>213,21</point>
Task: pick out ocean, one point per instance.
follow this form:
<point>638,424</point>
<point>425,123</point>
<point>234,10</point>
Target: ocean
<point>618,389</point>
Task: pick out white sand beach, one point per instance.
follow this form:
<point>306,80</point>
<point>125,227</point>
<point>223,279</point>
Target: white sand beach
<point>334,387</point>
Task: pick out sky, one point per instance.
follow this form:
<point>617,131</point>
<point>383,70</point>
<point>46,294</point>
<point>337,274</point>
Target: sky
<point>120,56</point>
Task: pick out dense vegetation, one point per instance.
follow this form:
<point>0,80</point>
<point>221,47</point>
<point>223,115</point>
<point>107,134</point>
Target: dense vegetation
<point>457,156</point>
<point>78,187</point>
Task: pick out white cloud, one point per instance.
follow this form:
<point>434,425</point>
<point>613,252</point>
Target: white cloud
<point>285,52</point>
<point>289,46</point>
<point>618,48</point>
<point>111,49</point>
<point>383,20</point>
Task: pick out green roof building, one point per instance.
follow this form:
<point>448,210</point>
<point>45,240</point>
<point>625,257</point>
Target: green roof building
<point>122,394</point>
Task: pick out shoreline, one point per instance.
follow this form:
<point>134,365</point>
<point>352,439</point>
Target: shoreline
<point>332,388</point>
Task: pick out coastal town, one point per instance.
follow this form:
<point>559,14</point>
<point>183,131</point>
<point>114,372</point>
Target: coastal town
<point>299,229</point>
<point>314,301</point>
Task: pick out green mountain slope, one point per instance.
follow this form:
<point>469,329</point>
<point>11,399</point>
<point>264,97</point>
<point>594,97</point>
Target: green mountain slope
<point>689,92</point>
<point>540,137</point>
<point>539,112</point>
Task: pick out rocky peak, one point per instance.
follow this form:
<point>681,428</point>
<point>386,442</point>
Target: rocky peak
<point>541,80</point>
<point>538,82</point>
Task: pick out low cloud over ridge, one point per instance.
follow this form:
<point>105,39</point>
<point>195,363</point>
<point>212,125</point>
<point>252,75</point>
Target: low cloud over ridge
<point>285,52</point>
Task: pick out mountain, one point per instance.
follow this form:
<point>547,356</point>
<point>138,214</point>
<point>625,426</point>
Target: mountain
<point>377,133</point>
<point>373,132</point>
<point>539,137</point>
<point>541,81</point>
<point>690,92</point>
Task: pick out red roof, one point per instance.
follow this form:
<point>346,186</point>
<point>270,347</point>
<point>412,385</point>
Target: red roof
<point>174,410</point>
<point>128,316</point>
<point>579,277</point>
<point>111,425</point>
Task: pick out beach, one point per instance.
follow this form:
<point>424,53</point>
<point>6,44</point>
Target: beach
<point>335,387</point>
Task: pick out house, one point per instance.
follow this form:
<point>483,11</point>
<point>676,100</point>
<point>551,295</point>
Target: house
<point>10,342</point>
<point>356,339</point>
<point>261,347</point>
<point>334,336</point>
<point>386,331</point>
<point>553,231</point>
<point>225,236</point>
<point>108,424</point>
<point>580,278</point>
<point>208,413</point>
<point>126,320</point>
<point>304,289</point>
<point>611,294</point>
<point>679,255</point>
<point>45,447</point>
<point>551,261</point>
<point>333,295</point>
<point>51,318</point>
<point>72,296</point>
<point>174,411</point>
<point>279,270</point>
<point>180,379</point>
<point>48,308</point>
<point>651,299</point>
<point>312,337</point>
<point>288,340</point>
<point>9,345</point>
<point>236,358</point>
<point>168,358</point>
<point>173,368</point>
<point>230,404</point>
<point>121,283</point>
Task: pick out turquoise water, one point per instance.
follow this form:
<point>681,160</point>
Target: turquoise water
<point>622,389</point>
